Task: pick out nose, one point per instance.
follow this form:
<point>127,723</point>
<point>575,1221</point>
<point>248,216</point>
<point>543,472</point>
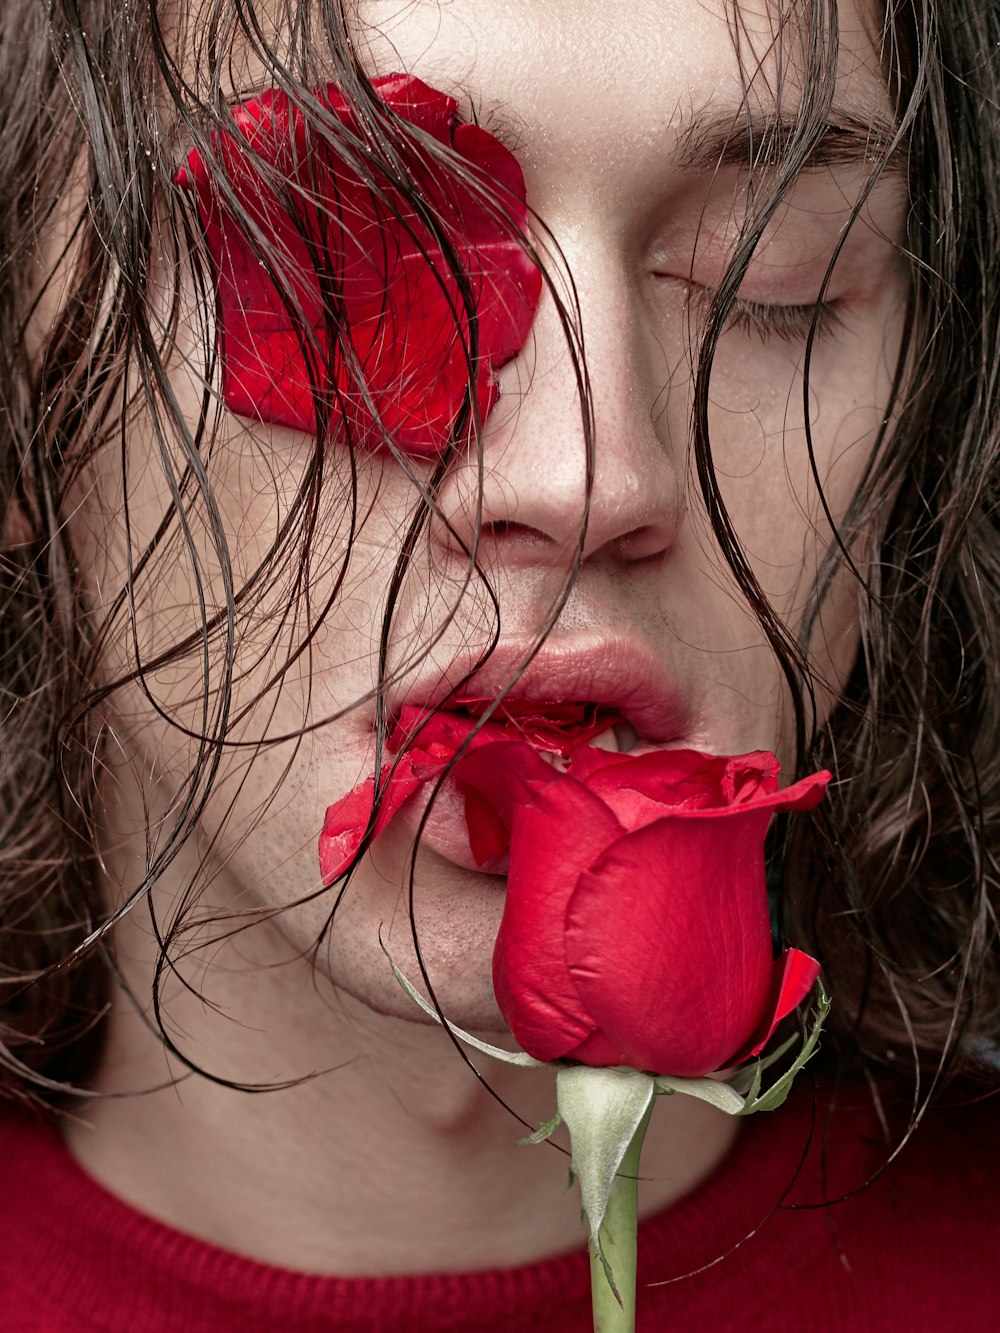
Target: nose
<point>533,501</point>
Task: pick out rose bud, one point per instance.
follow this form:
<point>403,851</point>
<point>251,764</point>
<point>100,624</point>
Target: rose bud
<point>636,929</point>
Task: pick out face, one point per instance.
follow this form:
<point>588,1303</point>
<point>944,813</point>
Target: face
<point>617,115</point>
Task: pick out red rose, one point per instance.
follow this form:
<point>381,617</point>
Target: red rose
<point>636,928</point>
<point>363,262</point>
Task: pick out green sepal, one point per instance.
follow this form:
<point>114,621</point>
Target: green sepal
<point>520,1058</point>
<point>747,1083</point>
<point>747,1080</point>
<point>543,1131</point>
<point>711,1090</point>
<point>778,1091</point>
<point>602,1109</point>
<point>741,1094</point>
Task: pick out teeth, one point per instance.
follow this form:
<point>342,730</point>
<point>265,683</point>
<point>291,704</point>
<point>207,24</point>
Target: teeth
<point>627,736</point>
<point>607,740</point>
<point>621,738</point>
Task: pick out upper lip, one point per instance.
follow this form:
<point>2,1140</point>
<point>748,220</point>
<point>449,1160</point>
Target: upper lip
<point>613,670</point>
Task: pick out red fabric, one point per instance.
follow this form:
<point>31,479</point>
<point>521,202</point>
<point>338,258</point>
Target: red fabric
<point>917,1251</point>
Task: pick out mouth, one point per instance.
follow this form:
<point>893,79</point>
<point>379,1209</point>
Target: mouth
<point>554,728</point>
<point>611,696</point>
<point>608,692</point>
<point>603,694</point>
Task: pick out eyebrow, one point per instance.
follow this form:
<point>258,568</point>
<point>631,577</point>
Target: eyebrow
<point>759,142</point>
<point>755,141</point>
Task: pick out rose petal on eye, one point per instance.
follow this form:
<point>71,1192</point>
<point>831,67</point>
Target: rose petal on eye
<point>511,283</point>
<point>429,109</point>
<point>340,290</point>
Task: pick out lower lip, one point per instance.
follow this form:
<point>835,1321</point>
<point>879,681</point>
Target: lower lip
<point>445,831</point>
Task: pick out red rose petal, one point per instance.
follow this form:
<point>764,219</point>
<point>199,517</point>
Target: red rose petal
<point>347,819</point>
<point>669,943</point>
<point>505,774</point>
<point>559,728</point>
<point>489,836</point>
<point>399,362</point>
<point>433,740</point>
<point>554,839</point>
<point>795,975</point>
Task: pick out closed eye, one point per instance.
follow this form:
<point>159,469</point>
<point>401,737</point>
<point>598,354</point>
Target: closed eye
<point>766,320</point>
<point>786,323</point>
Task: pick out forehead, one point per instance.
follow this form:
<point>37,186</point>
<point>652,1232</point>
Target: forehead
<point>554,75</point>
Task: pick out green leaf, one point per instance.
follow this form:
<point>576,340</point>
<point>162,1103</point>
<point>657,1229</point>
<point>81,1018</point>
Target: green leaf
<point>602,1109</point>
<point>520,1058</point>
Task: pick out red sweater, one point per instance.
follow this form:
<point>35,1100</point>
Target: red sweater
<point>919,1250</point>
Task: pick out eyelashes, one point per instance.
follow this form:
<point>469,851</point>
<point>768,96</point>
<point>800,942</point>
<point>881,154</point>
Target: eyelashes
<point>784,323</point>
<point>762,320</point>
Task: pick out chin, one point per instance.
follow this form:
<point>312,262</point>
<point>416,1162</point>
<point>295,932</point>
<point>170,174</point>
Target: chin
<point>456,912</point>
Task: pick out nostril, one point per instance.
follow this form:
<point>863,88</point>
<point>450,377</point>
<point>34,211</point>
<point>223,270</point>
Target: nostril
<point>507,532</point>
<point>649,542</point>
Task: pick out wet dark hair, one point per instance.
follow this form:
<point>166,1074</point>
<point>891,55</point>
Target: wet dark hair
<point>894,887</point>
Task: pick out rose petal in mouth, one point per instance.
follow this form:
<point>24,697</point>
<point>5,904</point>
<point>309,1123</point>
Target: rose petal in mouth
<point>553,727</point>
<point>424,743</point>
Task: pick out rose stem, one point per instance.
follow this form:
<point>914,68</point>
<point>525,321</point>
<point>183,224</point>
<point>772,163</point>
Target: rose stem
<point>618,1237</point>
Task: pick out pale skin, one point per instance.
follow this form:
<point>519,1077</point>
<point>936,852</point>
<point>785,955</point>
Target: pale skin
<point>399,1161</point>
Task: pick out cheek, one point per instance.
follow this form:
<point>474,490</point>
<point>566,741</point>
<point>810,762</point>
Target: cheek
<point>185,674</point>
<point>210,565</point>
<point>222,590</point>
<point>789,490</point>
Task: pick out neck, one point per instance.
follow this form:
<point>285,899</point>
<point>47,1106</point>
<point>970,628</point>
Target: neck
<point>388,1157</point>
